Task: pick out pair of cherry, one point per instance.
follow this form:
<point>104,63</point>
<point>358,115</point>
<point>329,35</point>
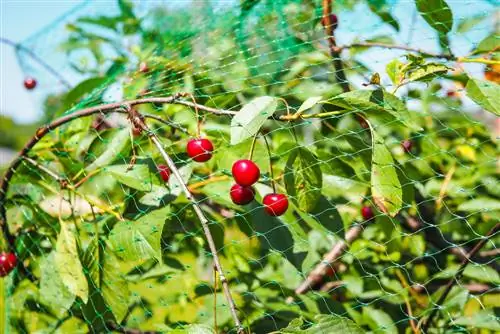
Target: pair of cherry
<point>245,174</point>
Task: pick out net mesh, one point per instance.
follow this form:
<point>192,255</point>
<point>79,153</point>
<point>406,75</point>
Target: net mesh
<point>390,185</point>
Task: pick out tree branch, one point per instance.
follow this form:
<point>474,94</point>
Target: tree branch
<point>317,274</point>
<point>334,50</point>
<point>458,275</point>
<point>138,122</point>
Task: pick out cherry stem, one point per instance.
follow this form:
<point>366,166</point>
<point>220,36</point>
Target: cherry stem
<point>271,175</point>
<point>252,148</point>
<point>286,105</point>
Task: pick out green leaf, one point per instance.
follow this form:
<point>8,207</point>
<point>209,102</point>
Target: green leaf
<point>140,239</point>
<point>251,117</point>
<point>488,44</point>
<point>173,182</point>
<point>114,148</point>
<point>138,177</point>
<point>485,93</point>
<point>377,103</point>
<point>53,291</point>
<point>437,14</point>
<point>309,103</point>
<point>387,192</point>
<point>481,204</point>
<point>427,72</point>
<point>324,324</point>
<point>379,321</point>
<point>486,319</point>
<point>79,91</point>
<point>193,329</point>
<point>67,263</point>
<point>114,286</point>
<point>303,178</point>
<point>381,9</point>
<point>468,23</point>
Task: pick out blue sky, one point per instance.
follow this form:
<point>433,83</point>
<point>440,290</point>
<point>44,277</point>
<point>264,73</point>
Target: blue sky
<point>20,19</point>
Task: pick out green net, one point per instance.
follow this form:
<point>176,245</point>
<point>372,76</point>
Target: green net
<point>382,138</point>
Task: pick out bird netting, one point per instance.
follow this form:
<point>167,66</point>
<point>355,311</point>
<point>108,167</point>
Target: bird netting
<point>258,166</point>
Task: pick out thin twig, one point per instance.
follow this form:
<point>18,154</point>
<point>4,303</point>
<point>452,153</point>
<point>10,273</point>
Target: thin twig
<point>136,119</point>
<point>334,50</point>
<point>458,275</point>
<point>317,274</point>
<point>407,301</point>
<point>30,53</point>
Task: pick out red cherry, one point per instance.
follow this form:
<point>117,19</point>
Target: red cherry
<point>241,195</point>
<point>363,123</point>
<point>334,21</point>
<point>275,204</point>
<point>200,150</point>
<point>407,145</point>
<point>245,172</point>
<point>143,67</point>
<point>164,172</point>
<point>8,262</point>
<point>29,83</point>
<point>367,213</point>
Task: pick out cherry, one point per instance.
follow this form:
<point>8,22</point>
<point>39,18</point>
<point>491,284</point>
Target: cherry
<point>245,172</point>
<point>200,150</point>
<point>242,195</point>
<point>362,122</point>
<point>334,21</point>
<point>164,172</point>
<point>143,67</point>
<point>407,145</point>
<point>367,212</point>
<point>275,204</point>
<point>8,262</point>
<point>136,131</point>
<point>29,83</point>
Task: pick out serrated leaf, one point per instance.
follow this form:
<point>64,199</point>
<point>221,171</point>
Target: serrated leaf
<point>79,91</point>
<point>114,149</point>
<point>114,286</point>
<point>437,14</point>
<point>378,103</point>
<point>486,319</point>
<point>379,321</point>
<point>251,117</point>
<point>67,263</point>
<point>386,188</point>
<point>309,103</point>
<point>485,93</point>
<point>426,72</point>
<point>140,239</point>
<point>488,44</point>
<point>481,204</point>
<point>53,291</point>
<point>303,178</point>
<point>156,196</point>
<point>136,177</point>
<point>324,324</point>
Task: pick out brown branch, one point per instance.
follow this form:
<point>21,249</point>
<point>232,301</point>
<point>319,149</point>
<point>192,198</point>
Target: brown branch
<point>137,120</point>
<point>334,50</point>
<point>317,274</point>
<point>399,47</point>
<point>458,275</point>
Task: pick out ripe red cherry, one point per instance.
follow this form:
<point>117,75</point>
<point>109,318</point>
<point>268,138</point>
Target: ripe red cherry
<point>200,150</point>
<point>407,145</point>
<point>245,172</point>
<point>241,195</point>
<point>275,204</point>
<point>8,262</point>
<point>29,83</point>
<point>164,172</point>
<point>334,21</point>
<point>367,213</point>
